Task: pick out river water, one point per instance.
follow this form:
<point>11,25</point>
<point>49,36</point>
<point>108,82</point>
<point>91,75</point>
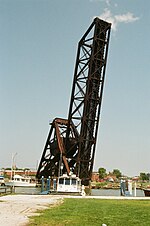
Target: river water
<point>114,192</point>
<point>27,190</point>
<point>95,192</point>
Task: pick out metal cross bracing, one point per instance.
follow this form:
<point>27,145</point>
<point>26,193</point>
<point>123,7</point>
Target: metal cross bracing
<point>71,143</point>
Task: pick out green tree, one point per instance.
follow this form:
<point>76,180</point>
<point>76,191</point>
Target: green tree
<point>117,173</point>
<point>144,176</point>
<point>102,172</point>
<point>148,176</point>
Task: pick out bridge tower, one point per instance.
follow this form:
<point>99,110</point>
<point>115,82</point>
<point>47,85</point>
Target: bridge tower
<point>71,142</point>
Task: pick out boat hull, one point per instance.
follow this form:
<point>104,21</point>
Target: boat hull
<point>147,192</point>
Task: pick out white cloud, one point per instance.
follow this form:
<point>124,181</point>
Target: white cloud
<point>117,19</point>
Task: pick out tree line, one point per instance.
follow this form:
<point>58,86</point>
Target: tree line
<point>102,173</point>
<point>117,173</point>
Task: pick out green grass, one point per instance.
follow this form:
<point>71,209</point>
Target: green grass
<point>94,212</point>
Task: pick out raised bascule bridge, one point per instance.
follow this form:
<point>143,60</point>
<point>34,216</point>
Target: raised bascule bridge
<point>71,143</point>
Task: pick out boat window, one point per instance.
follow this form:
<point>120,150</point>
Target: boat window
<point>74,181</point>
<point>61,181</point>
<point>67,181</point>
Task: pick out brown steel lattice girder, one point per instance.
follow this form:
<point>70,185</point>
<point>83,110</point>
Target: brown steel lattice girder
<point>71,143</point>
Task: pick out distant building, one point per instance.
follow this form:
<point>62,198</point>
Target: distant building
<point>110,178</point>
<point>95,176</point>
<point>8,173</point>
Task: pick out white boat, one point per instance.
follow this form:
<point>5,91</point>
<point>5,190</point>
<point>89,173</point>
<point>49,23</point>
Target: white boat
<point>69,184</point>
<point>21,181</point>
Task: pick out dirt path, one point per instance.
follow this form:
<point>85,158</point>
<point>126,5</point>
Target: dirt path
<point>15,209</point>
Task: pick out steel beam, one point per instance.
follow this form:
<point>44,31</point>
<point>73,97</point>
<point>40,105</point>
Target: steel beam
<point>71,143</point>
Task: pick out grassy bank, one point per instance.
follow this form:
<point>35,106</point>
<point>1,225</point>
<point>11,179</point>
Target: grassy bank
<point>82,212</point>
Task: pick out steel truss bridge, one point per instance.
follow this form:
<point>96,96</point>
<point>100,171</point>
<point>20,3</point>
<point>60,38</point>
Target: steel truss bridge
<point>71,142</point>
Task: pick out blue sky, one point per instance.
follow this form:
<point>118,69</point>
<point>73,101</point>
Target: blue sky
<point>38,43</point>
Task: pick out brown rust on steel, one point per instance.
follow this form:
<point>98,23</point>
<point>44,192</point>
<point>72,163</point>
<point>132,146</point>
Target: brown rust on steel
<point>61,146</point>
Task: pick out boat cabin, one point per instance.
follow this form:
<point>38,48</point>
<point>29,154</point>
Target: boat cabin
<point>69,184</point>
<point>19,178</point>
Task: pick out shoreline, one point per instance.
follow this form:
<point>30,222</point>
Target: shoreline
<point>16,209</point>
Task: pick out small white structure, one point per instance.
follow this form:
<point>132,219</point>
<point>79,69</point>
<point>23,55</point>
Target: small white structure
<point>130,187</point>
<point>69,184</point>
<point>20,181</point>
